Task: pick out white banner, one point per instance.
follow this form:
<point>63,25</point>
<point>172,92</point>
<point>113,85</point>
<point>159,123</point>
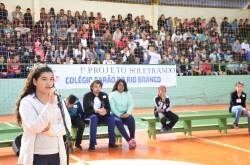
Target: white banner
<point>80,76</point>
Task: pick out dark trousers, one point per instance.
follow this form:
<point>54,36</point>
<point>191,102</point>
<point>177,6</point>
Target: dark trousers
<point>52,159</point>
<point>76,122</point>
<point>93,122</point>
<point>165,116</point>
<point>130,122</point>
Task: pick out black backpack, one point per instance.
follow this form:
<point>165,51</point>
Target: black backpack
<point>16,145</point>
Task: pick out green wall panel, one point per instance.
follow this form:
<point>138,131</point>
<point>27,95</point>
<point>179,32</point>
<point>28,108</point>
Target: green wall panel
<point>193,90</point>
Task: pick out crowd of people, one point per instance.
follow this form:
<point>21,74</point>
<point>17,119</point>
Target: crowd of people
<point>196,46</point>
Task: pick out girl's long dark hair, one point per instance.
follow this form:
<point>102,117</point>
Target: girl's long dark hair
<point>116,85</point>
<point>29,87</point>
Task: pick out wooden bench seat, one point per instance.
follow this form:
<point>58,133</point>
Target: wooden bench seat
<point>187,126</point>
<point>12,132</point>
<point>99,135</point>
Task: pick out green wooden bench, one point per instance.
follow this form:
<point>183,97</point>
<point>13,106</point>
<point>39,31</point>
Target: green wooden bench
<point>12,132</point>
<point>8,134</point>
<point>100,135</point>
<point>187,126</point>
<point>7,142</point>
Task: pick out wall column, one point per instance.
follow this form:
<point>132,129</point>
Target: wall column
<point>155,13</point>
<point>36,10</point>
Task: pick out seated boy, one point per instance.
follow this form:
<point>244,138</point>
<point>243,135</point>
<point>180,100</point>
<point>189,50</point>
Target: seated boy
<point>77,117</point>
<point>163,111</point>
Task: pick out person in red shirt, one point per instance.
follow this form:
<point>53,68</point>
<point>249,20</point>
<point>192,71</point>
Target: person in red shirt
<point>206,68</point>
<point>121,44</point>
<point>14,67</point>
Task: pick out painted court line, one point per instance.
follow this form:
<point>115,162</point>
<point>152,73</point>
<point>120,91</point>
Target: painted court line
<point>223,144</point>
<point>78,159</point>
<point>9,124</point>
<point>135,161</point>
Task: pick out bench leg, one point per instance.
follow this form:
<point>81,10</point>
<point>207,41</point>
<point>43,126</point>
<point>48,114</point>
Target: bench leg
<point>118,140</point>
<point>222,122</point>
<point>73,135</point>
<point>152,130</point>
<point>118,136</point>
<point>187,124</point>
<point>149,134</point>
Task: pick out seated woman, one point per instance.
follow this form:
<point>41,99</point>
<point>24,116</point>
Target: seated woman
<point>163,110</point>
<point>121,107</point>
<point>238,104</point>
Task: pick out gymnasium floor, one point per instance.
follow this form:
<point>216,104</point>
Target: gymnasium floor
<point>204,147</point>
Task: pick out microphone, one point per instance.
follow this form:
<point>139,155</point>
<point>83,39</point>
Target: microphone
<point>57,93</point>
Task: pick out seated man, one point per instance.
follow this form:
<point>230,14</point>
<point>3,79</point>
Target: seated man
<point>97,109</point>
<point>77,117</point>
<point>163,111</point>
<point>238,104</point>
